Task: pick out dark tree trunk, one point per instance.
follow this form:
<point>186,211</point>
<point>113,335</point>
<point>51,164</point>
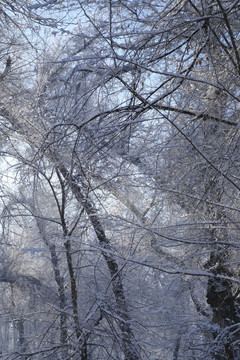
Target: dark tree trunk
<point>21,337</point>
<point>74,296</point>
<point>61,294</point>
<point>60,286</point>
<point>128,342</point>
<point>224,303</point>
<point>224,314</point>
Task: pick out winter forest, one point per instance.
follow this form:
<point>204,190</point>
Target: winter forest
<point>120,179</point>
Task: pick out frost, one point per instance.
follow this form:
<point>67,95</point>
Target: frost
<point>46,4</point>
<point>34,250</point>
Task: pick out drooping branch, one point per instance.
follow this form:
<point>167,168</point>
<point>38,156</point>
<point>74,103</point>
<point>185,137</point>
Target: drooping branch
<point>12,278</point>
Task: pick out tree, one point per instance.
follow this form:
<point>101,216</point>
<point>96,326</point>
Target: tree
<point>130,131</point>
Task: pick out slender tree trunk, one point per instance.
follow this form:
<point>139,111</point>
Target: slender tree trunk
<point>60,285</point>
<point>61,294</point>
<point>176,349</point>
<point>21,336</point>
<point>74,296</point>
<point>128,341</point>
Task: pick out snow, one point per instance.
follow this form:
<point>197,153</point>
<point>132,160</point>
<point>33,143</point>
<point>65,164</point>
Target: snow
<point>34,250</point>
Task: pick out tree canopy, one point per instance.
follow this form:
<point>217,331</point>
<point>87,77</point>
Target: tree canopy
<point>119,128</point>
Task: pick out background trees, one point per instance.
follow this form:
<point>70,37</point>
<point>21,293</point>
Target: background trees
<point>120,180</point>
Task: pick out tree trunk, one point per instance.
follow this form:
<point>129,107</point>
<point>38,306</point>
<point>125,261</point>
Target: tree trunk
<point>74,296</point>
<point>60,285</point>
<point>21,337</point>
<point>61,294</point>
<point>128,341</point>
<point>221,298</point>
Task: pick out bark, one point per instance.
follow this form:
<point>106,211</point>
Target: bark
<point>224,304</point>
<point>60,285</point>
<point>225,314</point>
<point>128,342</point>
<point>61,294</point>
<point>176,349</point>
<point>74,297</point>
<point>21,336</point>
<point>81,338</point>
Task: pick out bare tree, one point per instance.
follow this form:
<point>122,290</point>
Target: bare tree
<point>130,127</point>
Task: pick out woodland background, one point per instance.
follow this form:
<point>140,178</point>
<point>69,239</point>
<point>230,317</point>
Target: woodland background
<point>120,179</point>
